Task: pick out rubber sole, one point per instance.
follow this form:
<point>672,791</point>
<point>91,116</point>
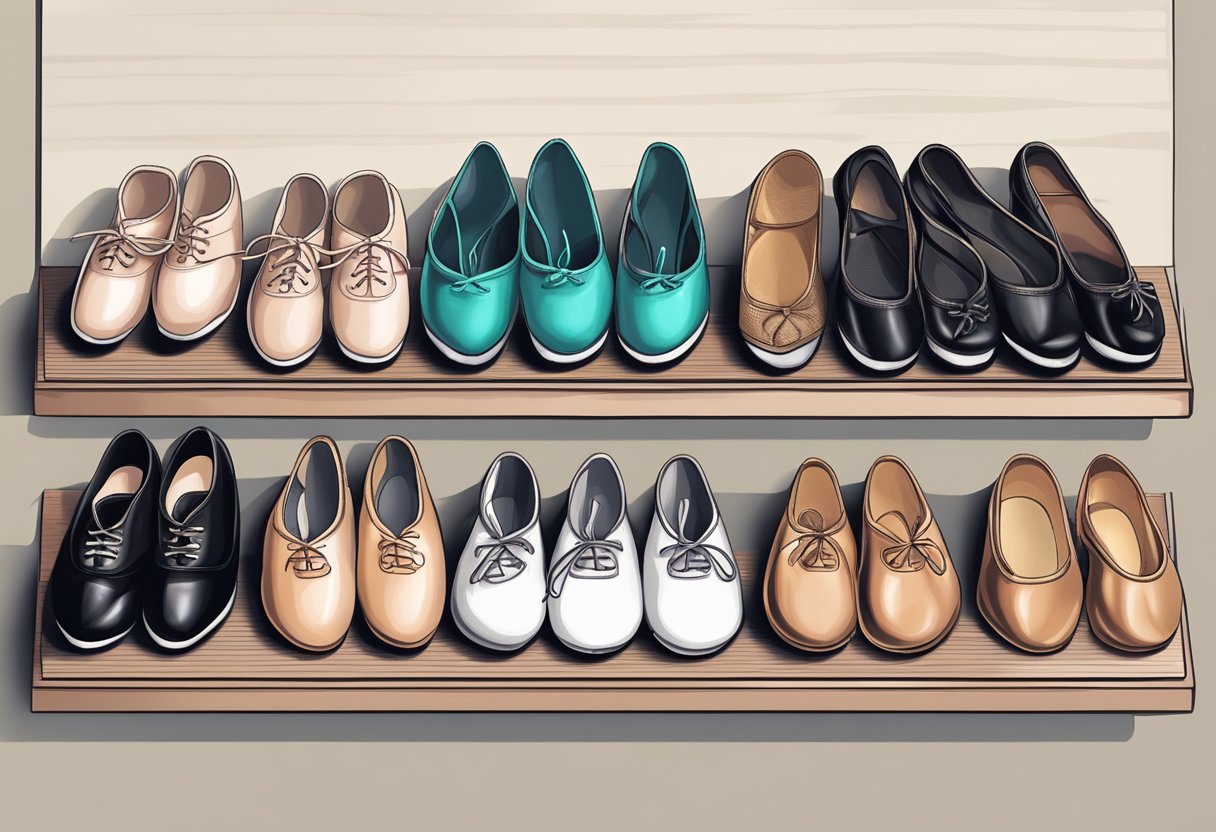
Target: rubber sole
<point>462,358</point>
<point>363,359</point>
<point>190,642</point>
<point>1041,360</point>
<point>1112,354</point>
<point>873,363</point>
<point>670,355</point>
<point>403,645</point>
<point>684,651</point>
<point>568,358</point>
<point>93,645</point>
<point>959,359</point>
<point>787,360</point>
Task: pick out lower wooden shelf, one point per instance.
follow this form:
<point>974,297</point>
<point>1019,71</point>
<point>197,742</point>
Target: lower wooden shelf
<point>245,666</point>
<point>146,375</point>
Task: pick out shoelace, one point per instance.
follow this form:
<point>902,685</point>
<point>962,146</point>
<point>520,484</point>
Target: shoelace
<point>400,555</point>
<point>560,273</point>
<point>183,544</point>
<point>1140,297</point>
<point>103,543</point>
<point>590,557</point>
<point>970,314</point>
<point>192,239</point>
<point>814,548</point>
<point>662,282</point>
<point>368,269</point>
<point>498,561</point>
<point>695,558</point>
<point>912,550</point>
<point>292,267</point>
<point>122,247</point>
<point>306,560</point>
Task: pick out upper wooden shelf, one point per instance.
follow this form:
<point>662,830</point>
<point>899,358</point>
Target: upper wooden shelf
<point>246,666</point>
<point>221,376</point>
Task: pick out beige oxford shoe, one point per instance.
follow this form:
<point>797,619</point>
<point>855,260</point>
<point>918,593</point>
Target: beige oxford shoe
<point>286,310</point>
<point>308,556</point>
<point>402,576</point>
<point>115,281</point>
<point>1029,588</point>
<point>200,277</point>
<point>1133,595</point>
<point>909,595</point>
<point>810,585</point>
<point>369,296</point>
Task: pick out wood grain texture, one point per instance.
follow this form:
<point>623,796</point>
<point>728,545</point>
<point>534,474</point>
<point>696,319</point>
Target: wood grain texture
<point>410,88</point>
<point>222,376</point>
<point>246,666</point>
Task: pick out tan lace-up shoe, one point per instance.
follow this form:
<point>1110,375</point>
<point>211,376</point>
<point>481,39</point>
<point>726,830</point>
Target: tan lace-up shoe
<point>1133,595</point>
<point>782,302</point>
<point>200,277</point>
<point>1030,587</point>
<point>369,297</point>
<point>810,585</point>
<point>308,556</point>
<point>286,309</point>
<point>115,282</point>
<point>402,576</point>
<point>909,596</point>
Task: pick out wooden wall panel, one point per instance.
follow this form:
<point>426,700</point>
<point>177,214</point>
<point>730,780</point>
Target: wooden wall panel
<point>409,88</point>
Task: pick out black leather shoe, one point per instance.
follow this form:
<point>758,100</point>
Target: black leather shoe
<point>1037,314</point>
<point>1122,315</point>
<point>95,583</point>
<point>878,311</point>
<point>191,581</point>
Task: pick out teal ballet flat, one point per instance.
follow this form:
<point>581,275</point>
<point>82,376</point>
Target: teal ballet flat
<point>565,278</point>
<point>662,291</point>
<point>470,276</point>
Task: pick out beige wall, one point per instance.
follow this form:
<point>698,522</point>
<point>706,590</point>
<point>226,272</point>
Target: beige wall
<point>455,771</point>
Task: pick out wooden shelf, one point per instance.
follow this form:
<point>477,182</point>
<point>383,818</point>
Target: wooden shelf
<point>246,666</point>
<point>221,376</point>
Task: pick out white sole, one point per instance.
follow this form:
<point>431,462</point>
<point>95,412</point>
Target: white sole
<point>670,355</point>
<point>469,360</point>
<point>1042,361</point>
<point>93,645</point>
<point>190,642</point>
<point>1112,354</point>
<point>786,360</point>
<point>684,651</point>
<point>291,362</point>
<point>959,359</point>
<point>363,359</point>
<point>873,363</point>
<point>568,358</point>
<point>209,328</point>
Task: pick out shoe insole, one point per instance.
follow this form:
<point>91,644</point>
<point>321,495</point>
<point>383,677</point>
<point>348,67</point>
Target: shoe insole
<point>124,480</point>
<point>597,500</point>
<point>1118,535</point>
<point>682,490</point>
<point>304,208</point>
<point>207,189</point>
<point>663,215</point>
<point>1027,538</point>
<point>397,503</point>
<point>779,264</point>
<point>560,211</point>
<point>512,501</point>
<point>1091,247</point>
<point>946,278</point>
<point>364,205</point>
<point>146,194</point>
<point>877,262</point>
<point>311,504</point>
<point>192,477</point>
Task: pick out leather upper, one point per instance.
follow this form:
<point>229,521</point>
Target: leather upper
<point>199,277</point>
<point>308,555</point>
<point>810,583</point>
<point>884,324</point>
<point>402,577</point>
<point>782,300</point>
<point>1133,595</point>
<point>1030,588</point>
<point>909,596</point>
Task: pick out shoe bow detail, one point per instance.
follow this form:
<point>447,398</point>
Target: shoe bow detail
<point>814,548</point>
<point>291,272</point>
<point>498,561</point>
<point>696,558</point>
<point>120,246</point>
<point>912,550</point>
<point>370,271</point>
<point>306,560</point>
<point>559,273</point>
<point>182,544</point>
<point>785,324</point>
<point>971,313</point>
<point>589,558</point>
<point>399,555</point>
<point>1141,297</point>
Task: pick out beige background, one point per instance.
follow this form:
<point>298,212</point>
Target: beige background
<point>620,771</point>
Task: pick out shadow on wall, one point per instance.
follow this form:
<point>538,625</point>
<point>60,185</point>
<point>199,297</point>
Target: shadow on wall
<point>747,516</point>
